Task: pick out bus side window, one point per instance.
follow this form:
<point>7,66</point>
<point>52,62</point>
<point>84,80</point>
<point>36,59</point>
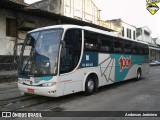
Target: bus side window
<point>128,47</point>
<point>91,41</point>
<point>140,48</point>
<point>146,49</point>
<point>134,48</point>
<point>118,45</point>
<point>106,43</point>
<point>70,53</point>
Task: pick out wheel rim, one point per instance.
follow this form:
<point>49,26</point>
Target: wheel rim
<point>90,85</point>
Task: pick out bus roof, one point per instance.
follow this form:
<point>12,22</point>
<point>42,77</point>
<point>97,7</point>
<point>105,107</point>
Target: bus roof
<point>68,26</point>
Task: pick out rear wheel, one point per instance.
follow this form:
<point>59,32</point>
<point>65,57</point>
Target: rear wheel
<point>90,85</point>
<point>138,74</point>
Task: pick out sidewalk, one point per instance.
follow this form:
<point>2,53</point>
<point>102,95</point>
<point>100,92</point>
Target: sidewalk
<point>8,76</point>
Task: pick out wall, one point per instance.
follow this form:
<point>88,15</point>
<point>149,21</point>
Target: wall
<point>111,25</point>
<point>84,10</point>
<point>53,6</point>
<point>37,22</point>
<point>6,43</point>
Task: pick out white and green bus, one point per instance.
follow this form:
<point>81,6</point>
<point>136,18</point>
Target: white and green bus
<point>65,59</point>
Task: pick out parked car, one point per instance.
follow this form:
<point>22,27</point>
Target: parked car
<point>154,62</point>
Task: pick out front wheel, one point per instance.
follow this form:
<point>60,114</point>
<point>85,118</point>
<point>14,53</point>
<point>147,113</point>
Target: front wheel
<point>90,86</point>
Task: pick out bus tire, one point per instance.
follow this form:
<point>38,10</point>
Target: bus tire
<point>90,85</point>
<point>138,74</point>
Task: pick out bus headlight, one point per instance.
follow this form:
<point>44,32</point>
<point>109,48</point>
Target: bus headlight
<point>49,84</point>
<point>20,81</point>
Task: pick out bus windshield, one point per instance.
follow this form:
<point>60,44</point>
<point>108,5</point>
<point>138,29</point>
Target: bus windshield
<point>39,53</point>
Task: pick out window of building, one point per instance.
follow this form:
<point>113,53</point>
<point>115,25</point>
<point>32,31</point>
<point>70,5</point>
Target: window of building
<point>123,31</point>
<point>11,27</point>
<point>138,31</point>
<point>128,33</point>
<point>134,35</point>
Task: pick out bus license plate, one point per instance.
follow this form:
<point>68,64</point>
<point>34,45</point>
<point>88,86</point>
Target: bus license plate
<point>30,90</point>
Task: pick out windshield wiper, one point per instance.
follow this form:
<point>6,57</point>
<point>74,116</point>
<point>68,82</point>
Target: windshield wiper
<point>32,59</point>
<point>31,56</point>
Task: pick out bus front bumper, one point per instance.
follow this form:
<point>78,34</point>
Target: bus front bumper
<point>44,91</point>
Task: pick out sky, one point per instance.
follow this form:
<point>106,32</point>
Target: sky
<point>133,12</point>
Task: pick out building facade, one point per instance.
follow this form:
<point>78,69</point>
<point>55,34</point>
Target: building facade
<point>154,52</point>
<point>17,18</point>
<point>126,30</point>
<point>140,34</point>
<point>84,10</point>
<point>144,34</point>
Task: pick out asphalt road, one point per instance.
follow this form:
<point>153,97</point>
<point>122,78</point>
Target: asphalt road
<point>132,95</point>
